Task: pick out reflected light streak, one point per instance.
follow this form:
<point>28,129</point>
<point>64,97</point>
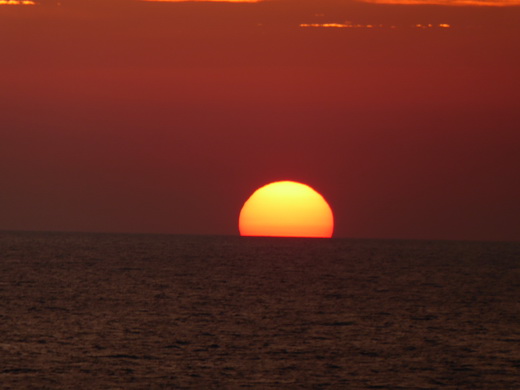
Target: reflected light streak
<point>454,3</point>
<point>17,2</point>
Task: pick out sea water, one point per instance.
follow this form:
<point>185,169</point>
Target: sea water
<point>208,312</point>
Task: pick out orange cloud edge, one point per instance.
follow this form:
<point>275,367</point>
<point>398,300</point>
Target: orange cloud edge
<point>17,2</point>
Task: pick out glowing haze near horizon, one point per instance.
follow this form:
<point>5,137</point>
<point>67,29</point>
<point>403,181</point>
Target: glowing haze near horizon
<point>131,116</point>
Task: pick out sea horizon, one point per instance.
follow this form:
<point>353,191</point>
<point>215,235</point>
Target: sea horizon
<point>188,312</point>
<point>237,235</point>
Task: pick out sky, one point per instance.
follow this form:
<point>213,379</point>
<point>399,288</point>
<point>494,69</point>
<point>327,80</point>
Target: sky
<point>164,117</point>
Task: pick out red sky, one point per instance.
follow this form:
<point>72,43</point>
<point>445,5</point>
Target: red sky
<point>118,116</point>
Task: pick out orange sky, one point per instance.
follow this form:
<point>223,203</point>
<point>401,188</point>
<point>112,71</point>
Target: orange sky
<point>138,117</point>
<point>457,3</point>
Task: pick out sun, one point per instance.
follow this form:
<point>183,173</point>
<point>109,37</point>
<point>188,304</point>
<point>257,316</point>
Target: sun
<point>286,209</point>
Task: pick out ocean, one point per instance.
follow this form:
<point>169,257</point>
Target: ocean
<point>115,311</point>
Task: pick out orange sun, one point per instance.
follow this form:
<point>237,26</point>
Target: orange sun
<point>286,209</point>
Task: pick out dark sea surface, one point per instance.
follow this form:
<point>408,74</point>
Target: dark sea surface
<point>106,311</point>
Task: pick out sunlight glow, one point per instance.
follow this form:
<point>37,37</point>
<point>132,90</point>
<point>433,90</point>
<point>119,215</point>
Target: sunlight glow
<point>286,209</point>
<point>455,3</point>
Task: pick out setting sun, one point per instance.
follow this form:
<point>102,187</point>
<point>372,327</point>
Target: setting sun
<point>286,209</point>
